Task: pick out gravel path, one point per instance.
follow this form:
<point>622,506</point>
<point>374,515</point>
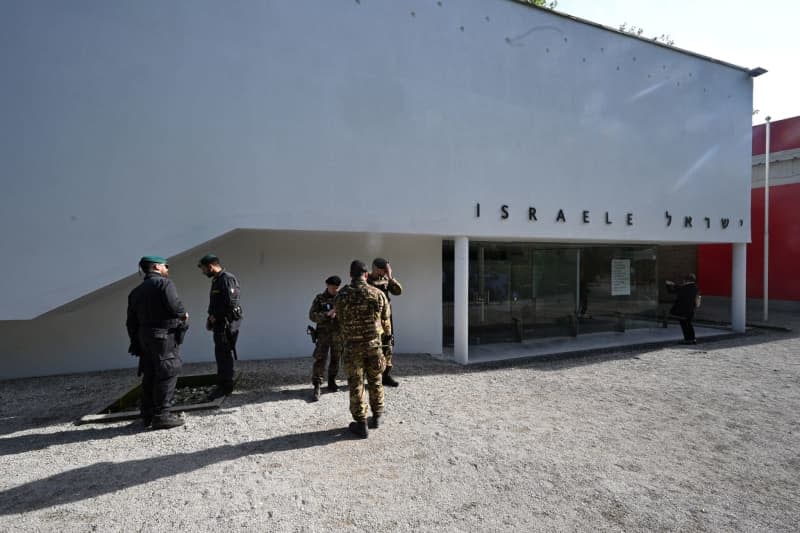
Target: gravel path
<point>701,438</point>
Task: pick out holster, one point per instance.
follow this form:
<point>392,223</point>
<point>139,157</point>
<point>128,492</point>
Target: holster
<point>180,332</point>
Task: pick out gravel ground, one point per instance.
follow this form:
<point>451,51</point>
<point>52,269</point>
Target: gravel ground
<point>701,438</point>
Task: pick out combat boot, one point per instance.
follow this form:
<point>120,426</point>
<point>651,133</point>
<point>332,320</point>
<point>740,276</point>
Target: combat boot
<point>218,392</point>
<point>375,421</point>
<point>332,386</point>
<point>359,429</point>
<point>389,380</point>
<point>167,421</point>
<point>316,393</point>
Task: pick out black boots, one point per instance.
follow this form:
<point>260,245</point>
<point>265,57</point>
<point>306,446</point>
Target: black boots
<point>219,391</point>
<point>375,421</point>
<point>359,429</point>
<point>389,380</point>
<point>332,386</point>
<point>167,421</point>
<point>316,393</point>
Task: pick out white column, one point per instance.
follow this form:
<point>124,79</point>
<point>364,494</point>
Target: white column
<point>739,287</point>
<point>766,224</point>
<point>461,300</point>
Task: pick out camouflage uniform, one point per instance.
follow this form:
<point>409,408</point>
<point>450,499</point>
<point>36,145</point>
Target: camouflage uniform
<point>387,286</point>
<point>364,315</point>
<point>328,338</point>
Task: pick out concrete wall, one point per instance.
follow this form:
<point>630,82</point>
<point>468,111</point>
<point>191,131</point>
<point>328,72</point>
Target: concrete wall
<point>152,127</point>
<point>280,273</point>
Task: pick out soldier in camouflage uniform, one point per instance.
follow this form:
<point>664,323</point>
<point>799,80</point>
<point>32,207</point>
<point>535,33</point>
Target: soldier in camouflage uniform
<point>328,337</point>
<point>381,278</point>
<point>364,315</point>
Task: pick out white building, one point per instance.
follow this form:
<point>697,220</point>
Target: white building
<point>506,159</point>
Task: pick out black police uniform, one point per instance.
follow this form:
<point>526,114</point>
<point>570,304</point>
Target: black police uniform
<point>224,307</point>
<point>154,320</point>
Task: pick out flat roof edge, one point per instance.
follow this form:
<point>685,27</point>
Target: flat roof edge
<point>632,36</point>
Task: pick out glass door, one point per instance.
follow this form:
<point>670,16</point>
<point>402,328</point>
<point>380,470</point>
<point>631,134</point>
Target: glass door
<point>490,294</point>
<point>554,284</point>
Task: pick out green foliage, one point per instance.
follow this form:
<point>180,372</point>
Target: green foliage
<point>541,3</point>
<point>638,31</point>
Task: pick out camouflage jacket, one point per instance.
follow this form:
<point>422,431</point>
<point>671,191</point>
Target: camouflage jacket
<point>387,286</point>
<point>363,313</point>
<point>323,303</point>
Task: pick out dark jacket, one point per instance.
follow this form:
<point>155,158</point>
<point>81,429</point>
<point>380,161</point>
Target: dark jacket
<point>224,299</point>
<point>684,305</point>
<point>153,307</point>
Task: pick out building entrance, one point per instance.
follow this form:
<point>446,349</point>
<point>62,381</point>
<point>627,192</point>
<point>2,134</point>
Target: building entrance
<point>520,291</point>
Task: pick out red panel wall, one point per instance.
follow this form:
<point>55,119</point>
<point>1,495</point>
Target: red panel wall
<point>714,260</point>
<point>714,269</point>
<point>783,135</point>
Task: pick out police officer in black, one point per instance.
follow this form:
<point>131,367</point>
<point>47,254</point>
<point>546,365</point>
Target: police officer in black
<point>224,318</point>
<point>156,324</point>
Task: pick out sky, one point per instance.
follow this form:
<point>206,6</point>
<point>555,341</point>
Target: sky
<point>752,33</point>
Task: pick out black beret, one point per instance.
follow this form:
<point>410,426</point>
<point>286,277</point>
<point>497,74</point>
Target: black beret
<point>208,259</point>
<point>380,262</point>
<point>333,280</point>
<point>357,268</point>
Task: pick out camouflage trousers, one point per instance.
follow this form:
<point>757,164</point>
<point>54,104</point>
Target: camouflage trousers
<point>361,359</point>
<point>387,351</point>
<point>326,343</point>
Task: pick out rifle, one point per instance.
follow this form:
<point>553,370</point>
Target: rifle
<point>311,332</point>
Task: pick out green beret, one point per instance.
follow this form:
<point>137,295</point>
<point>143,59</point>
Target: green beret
<point>156,259</point>
<point>208,259</point>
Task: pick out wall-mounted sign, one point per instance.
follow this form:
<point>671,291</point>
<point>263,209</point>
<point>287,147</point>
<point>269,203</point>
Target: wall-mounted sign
<point>606,218</point>
<point>620,277</point>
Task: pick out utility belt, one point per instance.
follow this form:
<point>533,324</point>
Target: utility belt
<point>354,344</point>
<point>163,324</point>
<point>177,330</point>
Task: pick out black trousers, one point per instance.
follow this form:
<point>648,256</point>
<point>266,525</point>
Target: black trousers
<point>223,353</point>
<point>687,329</point>
<point>161,364</point>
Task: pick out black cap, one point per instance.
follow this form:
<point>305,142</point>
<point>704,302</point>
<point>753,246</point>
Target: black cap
<point>380,262</point>
<point>357,268</point>
<point>333,280</point>
<point>208,259</point>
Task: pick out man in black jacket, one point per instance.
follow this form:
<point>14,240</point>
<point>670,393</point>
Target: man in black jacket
<point>685,305</point>
<point>156,323</point>
<point>224,318</point>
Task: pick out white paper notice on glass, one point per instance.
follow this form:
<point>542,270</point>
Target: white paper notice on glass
<point>620,277</point>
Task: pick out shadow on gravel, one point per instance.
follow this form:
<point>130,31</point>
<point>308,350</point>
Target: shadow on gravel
<point>102,478</point>
<point>279,380</point>
<point>40,441</point>
<point>12,424</point>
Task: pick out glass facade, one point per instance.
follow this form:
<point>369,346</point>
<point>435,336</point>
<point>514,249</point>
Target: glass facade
<point>520,291</point>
